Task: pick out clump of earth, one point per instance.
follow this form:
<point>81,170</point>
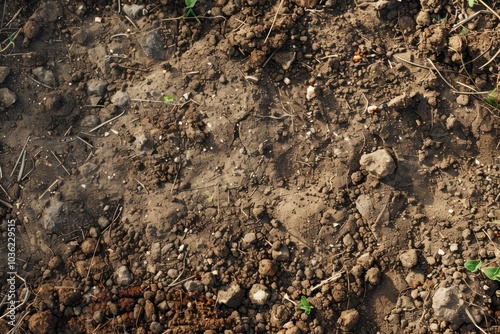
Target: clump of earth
<point>291,166</point>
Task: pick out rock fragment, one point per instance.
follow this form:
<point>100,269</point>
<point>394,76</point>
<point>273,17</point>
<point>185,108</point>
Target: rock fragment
<point>45,76</point>
<point>259,294</point>
<point>134,11</point>
<point>123,276</point>
<point>42,323</point>
<point>96,87</point>
<point>281,253</point>
<point>348,320</point>
<point>4,72</point>
<point>372,276</point>
<point>121,99</point>
<point>7,98</point>
<point>448,306</point>
<point>267,268</point>
<point>231,296</point>
<point>152,43</point>
<point>379,163</point>
<point>409,259</point>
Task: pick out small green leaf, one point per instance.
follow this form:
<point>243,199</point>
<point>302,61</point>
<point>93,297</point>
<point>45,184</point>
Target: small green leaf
<point>492,99</point>
<point>473,265</point>
<point>169,99</point>
<point>492,273</point>
<point>471,3</point>
<point>305,305</point>
<point>463,31</point>
<point>190,3</point>
<point>492,102</point>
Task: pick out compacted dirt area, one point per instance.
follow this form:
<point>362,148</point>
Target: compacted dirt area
<point>283,166</point>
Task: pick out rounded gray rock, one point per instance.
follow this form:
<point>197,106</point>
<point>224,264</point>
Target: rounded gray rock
<point>123,276</point>
<point>259,294</point>
<point>409,259</point>
<point>348,320</point>
<point>379,163</point>
<point>7,98</point>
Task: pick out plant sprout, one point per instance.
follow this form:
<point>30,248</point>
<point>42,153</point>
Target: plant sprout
<point>493,273</point>
<point>305,305</point>
<point>188,11</point>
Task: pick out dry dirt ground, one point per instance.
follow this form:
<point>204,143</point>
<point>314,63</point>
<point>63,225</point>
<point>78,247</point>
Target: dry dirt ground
<point>162,174</point>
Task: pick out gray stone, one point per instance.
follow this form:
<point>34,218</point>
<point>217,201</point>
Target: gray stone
<point>152,43</point>
<point>463,100</point>
<point>96,87</point>
<point>103,222</point>
<point>267,268</point>
<point>149,310</point>
<point>372,276</point>
<point>90,121</point>
<point>379,163</point>
<point>282,254</point>
<point>423,18</point>
<point>4,72</point>
<point>123,276</point>
<point>259,294</point>
<point>134,11</point>
<point>7,98</point>
<point>120,99</point>
<point>415,278</point>
<point>248,239</point>
<point>193,285</point>
<point>231,296</point>
<point>366,260</point>
<point>348,320</point>
<point>155,252</point>
<point>448,306</point>
<point>156,327</point>
<point>89,246</point>
<point>172,273</point>
<point>45,76</point>
<point>409,259</point>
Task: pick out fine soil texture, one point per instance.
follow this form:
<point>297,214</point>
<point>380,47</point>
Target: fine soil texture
<point>249,166</point>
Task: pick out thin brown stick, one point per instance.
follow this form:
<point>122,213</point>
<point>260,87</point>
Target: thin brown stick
<point>274,21</point>
<point>40,83</point>
<point>489,61</point>
<point>92,259</point>
<point>21,169</point>
<point>489,8</point>
<point>108,121</point>
<point>48,189</point>
<point>20,156</point>
<point>86,142</point>
<point>60,163</point>
<point>7,204</point>
<point>412,63</point>
<point>440,75</point>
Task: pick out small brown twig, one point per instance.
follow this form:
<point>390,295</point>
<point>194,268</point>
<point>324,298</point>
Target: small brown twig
<point>20,156</point>
<point>274,21</point>
<point>60,163</point>
<point>48,189</point>
<point>106,122</point>
<point>489,8</point>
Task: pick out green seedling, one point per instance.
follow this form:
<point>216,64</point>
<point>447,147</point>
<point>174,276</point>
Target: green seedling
<point>169,99</point>
<point>188,11</point>
<point>305,305</point>
<point>463,32</point>
<point>493,273</point>
<point>472,3</point>
<point>492,99</point>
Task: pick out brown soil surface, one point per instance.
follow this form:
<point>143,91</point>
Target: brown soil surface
<point>164,174</point>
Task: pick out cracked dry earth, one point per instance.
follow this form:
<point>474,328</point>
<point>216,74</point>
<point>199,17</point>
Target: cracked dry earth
<point>164,175</point>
